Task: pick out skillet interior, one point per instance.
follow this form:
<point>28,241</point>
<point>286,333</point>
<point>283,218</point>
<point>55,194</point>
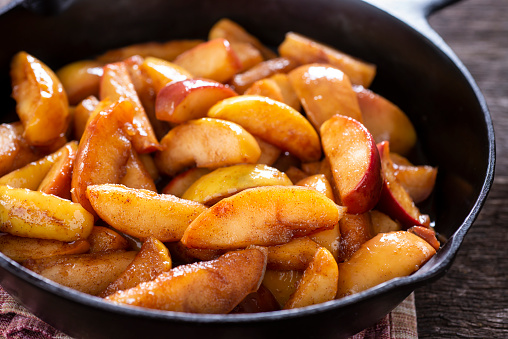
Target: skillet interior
<point>452,123</point>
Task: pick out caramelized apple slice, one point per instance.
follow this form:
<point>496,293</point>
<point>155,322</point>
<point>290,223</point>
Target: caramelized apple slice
<point>136,175</point>
<point>427,234</point>
<point>116,84</point>
<point>355,229</point>
<point>226,181</point>
<point>142,213</point>
<point>386,121</point>
<point>41,101</point>
<point>282,284</point>
<point>81,79</point>
<point>381,223</point>
<point>103,151</point>
<point>294,255</point>
<point>231,31</point>
<point>82,113</point>
<point>213,60</point>
<point>354,161</point>
<point>34,214</point>
<point>206,142</point>
<point>22,248</point>
<point>265,216</point>
<point>379,260</point>
<point>152,260</point>
<point>307,51</point>
<point>394,200</point>
<point>162,72</point>
<point>318,283</point>
<point>248,55</point>
<point>179,184</point>
<point>87,273</point>
<point>272,121</point>
<point>319,183</point>
<point>58,179</point>
<point>324,91</point>
<point>185,100</point>
<point>103,239</point>
<point>267,88</point>
<point>418,181</point>
<point>215,286</point>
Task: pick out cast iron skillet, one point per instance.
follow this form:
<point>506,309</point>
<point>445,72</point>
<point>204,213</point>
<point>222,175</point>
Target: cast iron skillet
<point>416,70</point>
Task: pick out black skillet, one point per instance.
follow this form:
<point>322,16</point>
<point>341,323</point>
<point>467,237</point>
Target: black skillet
<point>416,70</point>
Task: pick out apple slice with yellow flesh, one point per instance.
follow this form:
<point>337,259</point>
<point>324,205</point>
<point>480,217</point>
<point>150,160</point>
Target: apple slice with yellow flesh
<point>272,121</point>
<point>81,79</point>
<point>151,260</point>
<point>116,84</point>
<point>248,55</point>
<point>21,248</point>
<point>324,91</point>
<point>58,179</point>
<point>41,101</point>
<point>395,201</point>
<point>265,216</point>
<point>267,88</point>
<point>162,72</point>
<point>269,153</point>
<point>189,99</point>
<point>143,213</point>
<point>265,69</point>
<point>226,181</point>
<point>355,229</point>
<point>34,214</point>
<point>206,142</point>
<point>82,113</point>
<point>307,51</point>
<point>233,32</point>
<point>318,283</point>
<point>214,59</point>
<point>386,121</point>
<point>103,239</point>
<point>289,96</point>
<point>136,175</point>
<point>294,255</point>
<point>215,286</point>
<point>282,284</point>
<point>382,258</point>
<point>354,161</point>
<point>87,273</point>
<point>418,181</point>
<point>382,223</point>
<point>103,151</point>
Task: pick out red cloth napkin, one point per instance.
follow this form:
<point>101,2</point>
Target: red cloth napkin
<point>18,323</point>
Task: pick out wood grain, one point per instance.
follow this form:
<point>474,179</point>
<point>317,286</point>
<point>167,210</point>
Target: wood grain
<point>471,300</point>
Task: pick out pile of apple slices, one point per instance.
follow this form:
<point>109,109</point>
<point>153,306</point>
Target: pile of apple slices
<point>212,176</point>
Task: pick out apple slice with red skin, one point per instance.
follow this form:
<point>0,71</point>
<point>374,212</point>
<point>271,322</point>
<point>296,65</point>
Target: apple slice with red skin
<point>354,161</point>
<point>189,99</point>
<point>395,201</point>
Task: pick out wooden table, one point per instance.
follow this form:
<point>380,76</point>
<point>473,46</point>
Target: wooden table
<point>471,300</point>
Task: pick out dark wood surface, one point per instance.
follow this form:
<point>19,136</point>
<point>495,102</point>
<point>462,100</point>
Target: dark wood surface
<point>471,300</point>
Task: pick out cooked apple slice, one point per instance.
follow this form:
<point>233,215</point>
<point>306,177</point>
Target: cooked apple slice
<point>185,255</point>
<point>116,84</point>
<point>151,260</point>
<point>381,223</point>
<point>319,183</point>
<point>164,50</point>
<point>231,31</point>
<point>386,121</point>
<point>265,216</point>
<point>355,229</point>
<point>294,255</point>
<point>103,151</point>
<point>288,92</point>
<point>248,55</point>
<point>142,213</point>
<point>260,301</point>
<point>41,101</point>
<point>215,286</point>
<point>265,69</point>
<point>307,51</point>
<point>226,181</point>
<point>318,283</point>
<point>213,60</point>
<point>282,284</point>
<point>329,239</point>
<point>21,248</point>
<point>179,184</point>
<point>324,91</point>
<point>394,200</point>
<point>34,214</point>
<point>379,260</point>
<point>103,239</point>
<point>269,152</point>
<point>354,161</point>
<point>272,121</point>
<point>206,142</point>
<point>81,79</point>
<point>58,179</point>
<point>87,273</point>
<point>418,181</point>
<point>267,88</point>
<point>82,113</point>
<point>162,72</point>
<point>185,100</point>
<point>136,175</point>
